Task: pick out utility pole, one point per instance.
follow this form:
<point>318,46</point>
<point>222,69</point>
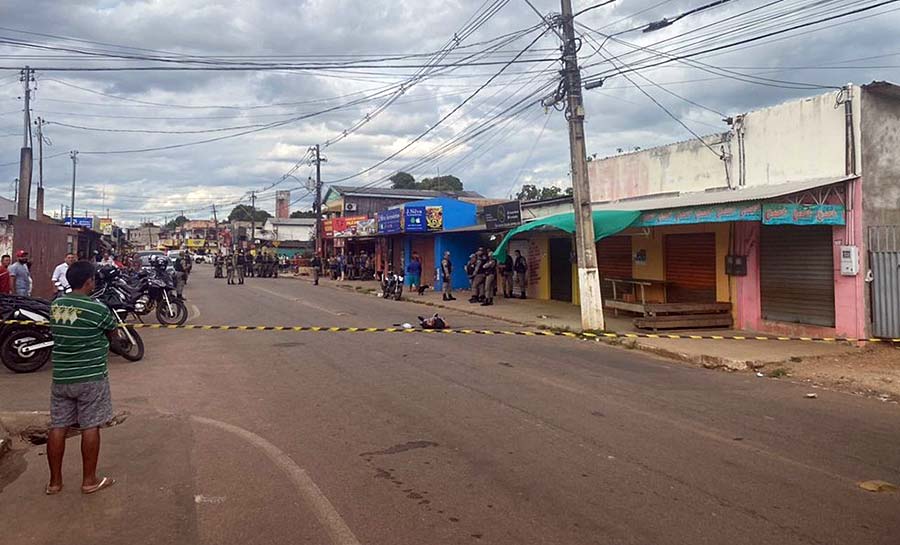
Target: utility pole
<point>74,155</point>
<point>40,190</point>
<point>25,156</point>
<point>317,206</point>
<point>252,216</point>
<point>585,250</point>
<point>216,225</point>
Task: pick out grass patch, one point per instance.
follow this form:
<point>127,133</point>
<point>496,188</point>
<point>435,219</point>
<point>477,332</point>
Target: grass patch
<point>780,372</point>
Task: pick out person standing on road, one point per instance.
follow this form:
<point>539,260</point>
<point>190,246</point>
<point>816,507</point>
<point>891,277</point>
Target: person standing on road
<point>316,264</point>
<point>5,284</point>
<point>478,278</point>
<point>230,264</point>
<point>520,272</point>
<point>506,271</point>
<point>490,278</point>
<point>82,330</point>
<point>414,271</point>
<point>19,275</point>
<point>188,264</point>
<point>59,274</point>
<point>241,265</point>
<point>447,277</point>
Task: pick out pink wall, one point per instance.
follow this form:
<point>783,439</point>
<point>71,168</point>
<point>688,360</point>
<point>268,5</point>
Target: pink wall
<point>850,317</point>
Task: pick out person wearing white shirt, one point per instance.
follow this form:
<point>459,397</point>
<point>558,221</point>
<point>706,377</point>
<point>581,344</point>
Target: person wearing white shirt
<point>59,274</point>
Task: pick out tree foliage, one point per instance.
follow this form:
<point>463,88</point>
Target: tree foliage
<point>242,212</point>
<point>403,180</point>
<point>177,222</point>
<point>531,192</point>
<point>303,214</point>
<point>442,183</point>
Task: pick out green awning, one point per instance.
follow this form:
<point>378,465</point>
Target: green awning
<point>606,223</point>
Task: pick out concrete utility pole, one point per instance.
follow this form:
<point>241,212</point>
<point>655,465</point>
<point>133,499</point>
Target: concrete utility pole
<point>252,216</point>
<point>74,155</point>
<point>588,275</point>
<point>40,190</point>
<point>317,205</point>
<point>25,156</point>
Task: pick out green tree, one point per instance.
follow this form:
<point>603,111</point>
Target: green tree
<point>242,212</point>
<point>303,214</point>
<point>442,183</point>
<point>177,222</point>
<point>403,180</point>
<point>531,192</point>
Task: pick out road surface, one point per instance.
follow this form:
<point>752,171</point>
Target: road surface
<point>279,437</point>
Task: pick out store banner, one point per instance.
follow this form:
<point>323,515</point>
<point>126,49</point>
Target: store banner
<point>83,221</point>
<point>366,228</point>
<point>434,218</point>
<point>389,221</point>
<point>803,214</point>
<point>328,228</point>
<point>347,226</point>
<point>414,219</point>
<point>503,215</point>
<point>700,214</point>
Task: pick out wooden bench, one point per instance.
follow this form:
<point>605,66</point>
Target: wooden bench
<point>685,315</point>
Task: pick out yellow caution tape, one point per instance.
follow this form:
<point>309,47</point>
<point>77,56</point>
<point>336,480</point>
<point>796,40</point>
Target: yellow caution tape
<point>528,333</point>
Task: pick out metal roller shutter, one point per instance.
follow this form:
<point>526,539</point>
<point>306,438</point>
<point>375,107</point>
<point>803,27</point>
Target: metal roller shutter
<point>613,261</point>
<point>796,267</point>
<point>691,268</point>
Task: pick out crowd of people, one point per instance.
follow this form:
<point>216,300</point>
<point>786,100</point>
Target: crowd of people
<point>487,276</point>
<point>241,264</point>
<point>352,267</point>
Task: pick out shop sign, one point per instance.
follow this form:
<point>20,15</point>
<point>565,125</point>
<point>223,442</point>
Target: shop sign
<point>414,219</point>
<point>434,218</point>
<point>347,226</point>
<point>503,215</point>
<point>106,226</point>
<point>803,214</point>
<point>195,242</point>
<point>700,214</point>
<point>328,228</point>
<point>366,228</point>
<point>389,221</point>
<point>77,221</point>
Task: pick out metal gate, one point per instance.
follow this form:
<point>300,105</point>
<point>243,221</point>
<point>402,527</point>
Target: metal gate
<point>884,263</point>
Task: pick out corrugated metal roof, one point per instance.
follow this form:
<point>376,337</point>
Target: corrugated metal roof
<point>716,196</point>
<point>388,192</point>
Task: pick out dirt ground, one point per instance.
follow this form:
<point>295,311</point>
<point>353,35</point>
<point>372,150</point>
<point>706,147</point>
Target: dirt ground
<point>874,371</point>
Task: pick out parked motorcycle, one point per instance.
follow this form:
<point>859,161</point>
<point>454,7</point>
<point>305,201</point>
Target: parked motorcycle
<point>146,291</point>
<point>25,348</point>
<point>392,286</point>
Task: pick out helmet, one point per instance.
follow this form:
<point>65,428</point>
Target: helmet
<point>159,262</point>
<point>21,253</point>
<point>107,273</point>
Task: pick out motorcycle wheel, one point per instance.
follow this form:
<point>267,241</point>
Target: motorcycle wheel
<point>125,348</point>
<point>18,362</point>
<point>177,317</point>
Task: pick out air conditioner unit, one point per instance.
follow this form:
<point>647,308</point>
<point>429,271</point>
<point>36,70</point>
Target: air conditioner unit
<point>350,207</point>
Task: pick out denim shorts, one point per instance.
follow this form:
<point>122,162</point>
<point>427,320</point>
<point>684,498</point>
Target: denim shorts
<point>82,404</point>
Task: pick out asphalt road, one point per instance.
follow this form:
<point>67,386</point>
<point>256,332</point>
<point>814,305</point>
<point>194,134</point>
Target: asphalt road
<point>281,437</point>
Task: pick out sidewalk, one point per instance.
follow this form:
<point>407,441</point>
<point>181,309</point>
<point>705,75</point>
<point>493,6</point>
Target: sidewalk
<point>731,354</point>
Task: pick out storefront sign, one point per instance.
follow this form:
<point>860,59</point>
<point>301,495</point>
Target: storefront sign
<point>389,221</point>
<point>106,226</point>
<point>328,228</point>
<point>803,214</point>
<point>366,228</point>
<point>346,226</point>
<point>195,242</point>
<point>434,218</point>
<point>499,216</point>
<point>701,214</point>
<point>79,221</point>
<point>414,219</point>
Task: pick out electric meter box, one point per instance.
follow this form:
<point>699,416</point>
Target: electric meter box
<point>849,260</point>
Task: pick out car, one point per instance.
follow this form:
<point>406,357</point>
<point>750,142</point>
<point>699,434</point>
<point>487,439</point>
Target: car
<point>205,258</point>
<point>145,259</point>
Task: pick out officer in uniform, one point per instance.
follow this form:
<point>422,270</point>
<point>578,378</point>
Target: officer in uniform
<point>478,278</point>
<point>229,267</point>
<point>241,266</point>
<point>447,277</point>
<point>490,276</point>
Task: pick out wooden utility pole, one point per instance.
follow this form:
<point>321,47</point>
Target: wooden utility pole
<point>25,156</point>
<point>585,250</point>
<point>252,216</point>
<point>40,190</point>
<point>317,206</point>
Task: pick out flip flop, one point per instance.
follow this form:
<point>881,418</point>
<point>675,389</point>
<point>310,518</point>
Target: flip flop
<point>105,482</point>
<point>52,490</point>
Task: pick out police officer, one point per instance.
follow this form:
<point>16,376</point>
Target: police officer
<point>489,269</point>
<point>478,278</point>
<point>316,264</point>
<point>447,277</point>
<point>229,267</point>
<point>241,266</point>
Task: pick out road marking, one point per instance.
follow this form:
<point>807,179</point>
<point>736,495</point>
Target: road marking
<point>196,311</point>
<point>301,301</point>
<point>200,498</point>
<point>328,516</point>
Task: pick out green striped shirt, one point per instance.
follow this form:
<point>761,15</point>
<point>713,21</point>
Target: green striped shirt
<point>79,325</point>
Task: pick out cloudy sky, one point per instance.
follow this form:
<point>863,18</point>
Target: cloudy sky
<point>376,85</point>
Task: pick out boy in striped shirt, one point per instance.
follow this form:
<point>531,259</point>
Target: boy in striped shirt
<point>82,330</point>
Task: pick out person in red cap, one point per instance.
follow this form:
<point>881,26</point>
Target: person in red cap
<point>5,285</point>
<point>20,276</point>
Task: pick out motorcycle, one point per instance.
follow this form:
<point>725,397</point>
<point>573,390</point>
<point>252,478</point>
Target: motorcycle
<point>145,292</point>
<point>392,286</point>
<point>25,348</point>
